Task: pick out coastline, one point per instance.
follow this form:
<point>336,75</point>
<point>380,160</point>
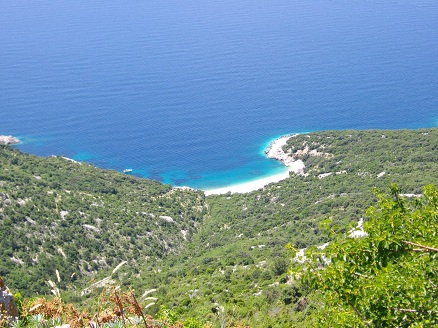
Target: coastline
<point>8,140</point>
<point>273,151</point>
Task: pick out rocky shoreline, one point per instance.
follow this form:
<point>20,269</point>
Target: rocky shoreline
<point>8,140</point>
<point>275,151</point>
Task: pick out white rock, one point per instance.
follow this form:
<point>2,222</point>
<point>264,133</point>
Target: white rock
<point>7,304</point>
<point>8,140</point>
<point>167,218</point>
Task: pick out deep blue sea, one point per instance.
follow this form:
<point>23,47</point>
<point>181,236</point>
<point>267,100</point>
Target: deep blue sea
<point>191,92</point>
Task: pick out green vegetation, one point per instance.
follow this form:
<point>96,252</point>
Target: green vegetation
<point>114,309</point>
<point>388,278</point>
<point>59,215</point>
<point>231,260</point>
<point>220,259</point>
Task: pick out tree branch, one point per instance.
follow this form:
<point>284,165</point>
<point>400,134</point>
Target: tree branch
<point>358,313</point>
<point>432,249</point>
<point>407,310</point>
<point>361,275</point>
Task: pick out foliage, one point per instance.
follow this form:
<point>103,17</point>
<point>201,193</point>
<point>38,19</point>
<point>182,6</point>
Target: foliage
<point>166,315</point>
<point>388,278</point>
<point>70,221</point>
<point>192,323</point>
<point>233,256</point>
<point>116,309</point>
<point>63,218</point>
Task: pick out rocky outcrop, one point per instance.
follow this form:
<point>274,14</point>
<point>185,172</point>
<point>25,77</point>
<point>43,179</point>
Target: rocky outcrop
<point>275,151</point>
<point>9,310</point>
<point>8,140</point>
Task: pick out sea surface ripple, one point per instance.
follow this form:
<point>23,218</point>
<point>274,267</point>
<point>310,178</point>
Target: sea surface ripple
<point>190,92</point>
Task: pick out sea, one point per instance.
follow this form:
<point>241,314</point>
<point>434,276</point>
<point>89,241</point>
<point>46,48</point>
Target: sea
<point>191,92</point>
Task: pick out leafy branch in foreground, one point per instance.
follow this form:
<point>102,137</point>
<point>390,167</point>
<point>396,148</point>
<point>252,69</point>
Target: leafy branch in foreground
<point>388,278</point>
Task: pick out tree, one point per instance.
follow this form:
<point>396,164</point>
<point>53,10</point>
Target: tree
<point>388,278</point>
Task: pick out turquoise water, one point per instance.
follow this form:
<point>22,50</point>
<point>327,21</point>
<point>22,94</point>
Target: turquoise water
<point>191,92</point>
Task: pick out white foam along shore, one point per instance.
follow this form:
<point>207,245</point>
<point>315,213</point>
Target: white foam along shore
<point>273,151</point>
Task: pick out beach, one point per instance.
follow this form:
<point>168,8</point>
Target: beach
<point>273,151</point>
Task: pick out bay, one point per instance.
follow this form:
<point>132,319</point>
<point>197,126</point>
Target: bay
<point>191,92</point>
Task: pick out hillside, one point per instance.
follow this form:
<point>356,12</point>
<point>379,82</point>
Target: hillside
<point>57,214</point>
<point>238,257</point>
<point>199,252</point>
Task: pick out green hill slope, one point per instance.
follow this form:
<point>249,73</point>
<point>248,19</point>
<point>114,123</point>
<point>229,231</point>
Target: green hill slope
<point>200,252</point>
<point>238,258</point>
<point>61,215</point>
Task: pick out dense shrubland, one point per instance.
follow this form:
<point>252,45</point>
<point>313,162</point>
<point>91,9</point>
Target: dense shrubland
<point>60,215</point>
<point>220,258</point>
<point>387,277</point>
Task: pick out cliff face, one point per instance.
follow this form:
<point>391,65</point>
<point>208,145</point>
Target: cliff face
<point>9,310</point>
